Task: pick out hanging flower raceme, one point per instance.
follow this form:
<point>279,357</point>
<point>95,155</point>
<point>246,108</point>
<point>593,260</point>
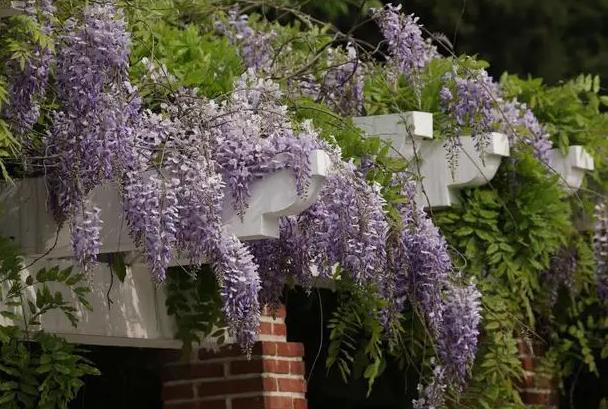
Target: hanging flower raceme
<point>27,85</point>
<point>255,47</point>
<point>600,250</point>
<point>521,125</point>
<point>432,396</point>
<point>91,136</point>
<point>470,100</point>
<point>422,254</point>
<point>457,342</point>
<point>86,231</point>
<point>348,227</point>
<point>284,259</point>
<point>342,86</point>
<point>173,197</point>
<point>409,51</point>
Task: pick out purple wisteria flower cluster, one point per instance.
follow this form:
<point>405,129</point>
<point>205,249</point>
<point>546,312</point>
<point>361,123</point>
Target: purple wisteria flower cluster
<point>472,105</point>
<point>432,396</point>
<point>520,124</point>
<point>409,51</point>
<point>420,264</point>
<point>600,250</point>
<point>346,227</point>
<point>255,47</point>
<point>173,198</point>
<point>27,85</point>
<point>91,136</point>
<point>342,82</point>
<point>342,85</point>
<point>420,271</point>
<point>457,342</point>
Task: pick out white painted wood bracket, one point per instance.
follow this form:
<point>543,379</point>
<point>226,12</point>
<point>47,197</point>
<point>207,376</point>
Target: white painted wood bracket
<point>26,219</point>
<point>571,167</point>
<point>396,128</point>
<point>276,196</point>
<point>441,183</point>
<point>411,134</point>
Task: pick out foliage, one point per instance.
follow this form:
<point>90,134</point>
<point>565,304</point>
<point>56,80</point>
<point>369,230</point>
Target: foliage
<point>193,299</point>
<point>357,336</point>
<point>37,370</point>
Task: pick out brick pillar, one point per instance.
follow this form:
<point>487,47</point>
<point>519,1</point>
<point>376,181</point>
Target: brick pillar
<point>538,387</point>
<point>225,379</point>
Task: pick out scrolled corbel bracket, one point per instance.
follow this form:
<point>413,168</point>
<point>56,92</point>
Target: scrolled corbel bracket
<point>571,167</point>
<point>276,196</point>
<point>411,135</point>
<point>441,181</point>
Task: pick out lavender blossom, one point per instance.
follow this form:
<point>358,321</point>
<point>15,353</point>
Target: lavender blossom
<point>424,258</point>
<point>457,342</point>
<point>27,85</point>
<point>520,125</point>
<point>254,47</point>
<point>239,287</point>
<point>350,228</point>
<point>91,137</point>
<point>433,395</point>
<point>600,250</point>
<point>343,83</point>
<point>409,52</point>
<point>173,200</point>
<point>284,259</point>
<point>471,104</point>
<point>253,136</point>
<point>86,233</point>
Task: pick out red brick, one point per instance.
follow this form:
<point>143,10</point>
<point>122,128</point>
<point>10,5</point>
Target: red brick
<point>265,348</point>
<point>212,404</point>
<point>257,402</point>
<point>172,372</point>
<point>270,385</point>
<point>279,329</point>
<point>208,404</point>
<point>534,347</point>
<point>291,385</point>
<point>265,328</point>
<point>167,356</point>
<point>276,366</point>
<point>230,386</point>
<point>278,402</point>
<point>181,391</point>
<point>300,404</point>
<point>527,362</point>
<point>280,312</point>
<point>290,349</point>
<point>207,370</point>
<point>247,367</point>
<point>297,368</point>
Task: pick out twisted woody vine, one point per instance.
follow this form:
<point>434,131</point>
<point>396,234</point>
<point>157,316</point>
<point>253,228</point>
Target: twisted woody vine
<point>185,104</point>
